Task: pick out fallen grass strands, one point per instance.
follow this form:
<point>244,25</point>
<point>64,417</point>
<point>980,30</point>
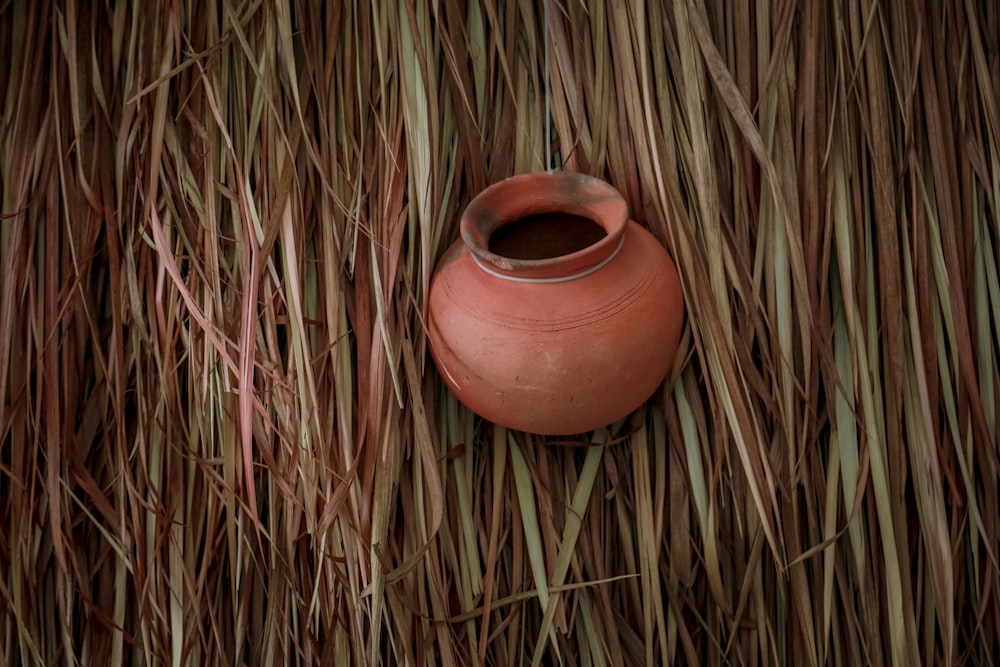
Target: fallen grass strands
<point>222,440</point>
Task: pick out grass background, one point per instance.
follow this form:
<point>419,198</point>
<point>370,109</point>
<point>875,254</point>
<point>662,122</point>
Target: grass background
<point>221,437</point>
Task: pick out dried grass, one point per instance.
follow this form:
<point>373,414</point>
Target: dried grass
<point>222,440</point>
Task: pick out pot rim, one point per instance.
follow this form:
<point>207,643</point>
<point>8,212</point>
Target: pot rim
<point>538,193</point>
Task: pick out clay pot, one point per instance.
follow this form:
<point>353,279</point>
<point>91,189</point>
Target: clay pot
<point>554,313</point>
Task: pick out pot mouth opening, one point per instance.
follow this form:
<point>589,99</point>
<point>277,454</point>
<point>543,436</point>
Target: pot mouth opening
<point>548,226</point>
<point>546,235</point>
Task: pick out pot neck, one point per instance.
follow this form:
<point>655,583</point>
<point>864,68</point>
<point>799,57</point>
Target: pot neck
<point>540,194</point>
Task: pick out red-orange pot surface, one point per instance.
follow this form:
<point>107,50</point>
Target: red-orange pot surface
<point>554,314</point>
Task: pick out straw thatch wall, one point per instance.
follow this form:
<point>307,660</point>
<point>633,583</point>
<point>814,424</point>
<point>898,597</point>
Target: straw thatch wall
<point>221,437</point>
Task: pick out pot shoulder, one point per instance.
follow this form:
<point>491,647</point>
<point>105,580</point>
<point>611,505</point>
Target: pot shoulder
<point>640,278</point>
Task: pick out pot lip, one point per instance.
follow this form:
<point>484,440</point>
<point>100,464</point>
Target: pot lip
<point>537,193</point>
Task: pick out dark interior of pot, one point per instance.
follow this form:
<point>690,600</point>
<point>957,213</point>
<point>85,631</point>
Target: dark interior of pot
<point>545,236</point>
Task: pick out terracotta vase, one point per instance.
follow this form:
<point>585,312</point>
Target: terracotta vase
<point>554,313</point>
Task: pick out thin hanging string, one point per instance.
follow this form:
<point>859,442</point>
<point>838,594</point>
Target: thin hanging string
<point>548,103</point>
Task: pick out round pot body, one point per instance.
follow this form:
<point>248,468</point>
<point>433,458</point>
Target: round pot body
<point>554,314</point>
